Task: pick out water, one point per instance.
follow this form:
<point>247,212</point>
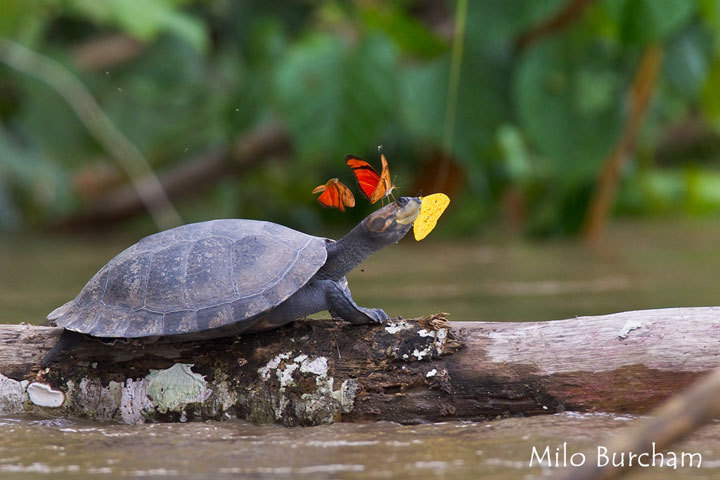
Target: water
<point>647,265</point>
<point>501,449</point>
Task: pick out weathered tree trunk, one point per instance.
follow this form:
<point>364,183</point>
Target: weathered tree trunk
<point>407,371</point>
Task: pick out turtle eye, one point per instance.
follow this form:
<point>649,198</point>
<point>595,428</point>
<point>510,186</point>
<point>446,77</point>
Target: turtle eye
<point>402,201</point>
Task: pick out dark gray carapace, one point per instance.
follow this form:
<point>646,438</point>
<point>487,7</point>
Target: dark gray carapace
<point>225,277</point>
<point>194,278</point>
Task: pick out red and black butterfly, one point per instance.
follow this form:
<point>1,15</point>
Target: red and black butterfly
<point>335,194</point>
<point>374,186</point>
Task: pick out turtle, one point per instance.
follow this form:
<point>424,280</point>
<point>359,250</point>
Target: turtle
<point>226,277</point>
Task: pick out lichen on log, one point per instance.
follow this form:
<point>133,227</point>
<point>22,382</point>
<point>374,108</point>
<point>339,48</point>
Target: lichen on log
<point>293,376</point>
<point>321,371</point>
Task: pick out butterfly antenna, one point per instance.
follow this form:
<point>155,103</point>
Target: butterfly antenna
<point>393,187</point>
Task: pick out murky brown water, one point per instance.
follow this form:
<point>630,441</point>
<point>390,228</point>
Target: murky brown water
<point>501,449</point>
<point>639,266</point>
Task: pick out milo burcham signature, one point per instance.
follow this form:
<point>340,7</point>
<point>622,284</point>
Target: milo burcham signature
<point>560,457</point>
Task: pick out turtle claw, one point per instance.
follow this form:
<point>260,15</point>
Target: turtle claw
<point>373,315</point>
<point>341,304</point>
<point>378,315</point>
<point>361,316</point>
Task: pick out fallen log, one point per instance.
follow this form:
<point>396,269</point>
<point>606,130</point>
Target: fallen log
<point>672,421</point>
<point>321,371</point>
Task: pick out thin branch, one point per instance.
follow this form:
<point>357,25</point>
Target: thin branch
<point>187,177</point>
<point>561,20</point>
<point>106,52</point>
<point>453,87</point>
<point>640,95</point>
<point>136,166</point>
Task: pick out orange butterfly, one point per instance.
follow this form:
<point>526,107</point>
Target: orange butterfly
<point>373,186</point>
<point>335,194</point>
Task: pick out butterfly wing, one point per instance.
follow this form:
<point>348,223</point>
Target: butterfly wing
<point>431,208</point>
<point>335,195</point>
<point>346,196</point>
<point>330,198</point>
<point>366,176</point>
<point>385,185</point>
<point>320,188</point>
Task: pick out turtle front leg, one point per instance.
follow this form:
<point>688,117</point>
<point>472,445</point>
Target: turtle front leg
<point>340,304</point>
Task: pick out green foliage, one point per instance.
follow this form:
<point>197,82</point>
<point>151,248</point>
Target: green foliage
<point>64,139</point>
<point>344,77</point>
<point>644,21</point>
<point>317,84</point>
<point>409,34</point>
<point>499,22</point>
<point>30,179</point>
<point>567,101</point>
<point>687,61</point>
<point>143,20</point>
<point>674,191</point>
<point>168,101</point>
<point>711,100</point>
<point>483,103</point>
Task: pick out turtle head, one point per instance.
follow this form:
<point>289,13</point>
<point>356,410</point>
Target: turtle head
<point>390,224</point>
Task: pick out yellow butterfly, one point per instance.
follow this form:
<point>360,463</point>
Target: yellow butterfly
<point>431,208</point>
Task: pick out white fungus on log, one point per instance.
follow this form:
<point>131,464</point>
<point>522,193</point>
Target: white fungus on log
<point>43,395</point>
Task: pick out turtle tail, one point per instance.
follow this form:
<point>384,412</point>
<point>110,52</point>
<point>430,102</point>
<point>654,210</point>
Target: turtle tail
<point>67,339</point>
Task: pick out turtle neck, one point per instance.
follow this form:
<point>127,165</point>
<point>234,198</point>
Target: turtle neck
<point>349,252</point>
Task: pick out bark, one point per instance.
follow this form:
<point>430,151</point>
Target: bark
<point>408,371</point>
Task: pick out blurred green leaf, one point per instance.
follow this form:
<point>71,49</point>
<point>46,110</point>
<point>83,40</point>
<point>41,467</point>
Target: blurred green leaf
<point>710,13</point>
<point>557,207</point>
<point>645,21</point>
<point>710,98</point>
<point>407,32</point>
<point>500,21</point>
<point>570,99</point>
<point>483,102</point>
<point>54,127</point>
<point>31,183</point>
<point>20,17</point>
<point>336,96</point>
<point>424,94</point>
<point>515,152</point>
<point>145,20</point>
<point>687,190</point>
<point>687,60</point>
<point>168,101</point>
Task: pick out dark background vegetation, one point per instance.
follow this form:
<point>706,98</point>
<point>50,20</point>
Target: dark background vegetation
<point>566,111</point>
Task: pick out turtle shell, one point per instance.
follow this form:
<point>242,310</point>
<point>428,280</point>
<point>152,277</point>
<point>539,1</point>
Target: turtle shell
<point>194,278</point>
